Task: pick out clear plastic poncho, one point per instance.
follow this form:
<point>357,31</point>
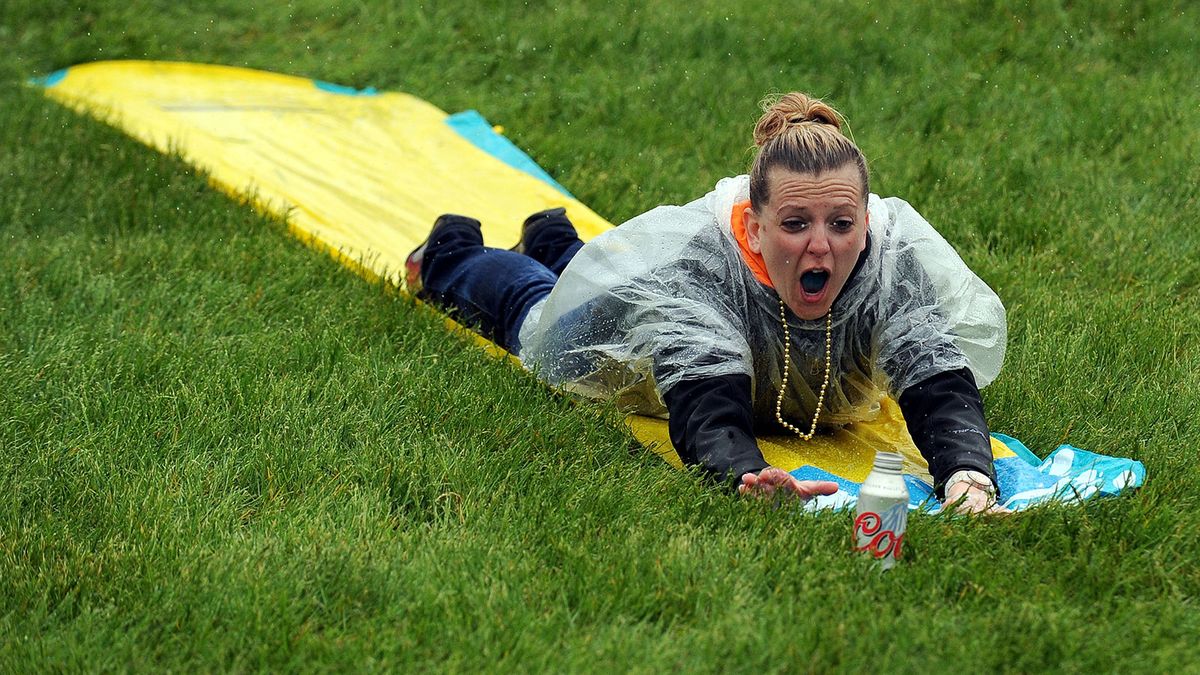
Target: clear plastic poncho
<point>666,297</point>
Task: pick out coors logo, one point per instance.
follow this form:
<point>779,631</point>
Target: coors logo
<point>882,514</point>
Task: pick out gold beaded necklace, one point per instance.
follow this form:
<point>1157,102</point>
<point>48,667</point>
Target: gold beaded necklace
<point>787,350</point>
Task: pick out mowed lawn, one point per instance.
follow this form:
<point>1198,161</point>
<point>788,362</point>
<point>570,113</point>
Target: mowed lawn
<point>219,450</point>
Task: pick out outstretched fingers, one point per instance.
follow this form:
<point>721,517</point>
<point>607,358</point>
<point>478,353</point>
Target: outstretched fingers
<point>814,488</point>
<point>772,479</point>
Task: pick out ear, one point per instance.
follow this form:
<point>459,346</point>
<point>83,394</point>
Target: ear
<point>753,230</point>
<point>862,246</point>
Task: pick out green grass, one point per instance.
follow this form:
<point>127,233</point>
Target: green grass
<point>222,451</point>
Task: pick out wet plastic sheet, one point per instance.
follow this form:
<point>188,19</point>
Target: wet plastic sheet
<point>362,174</point>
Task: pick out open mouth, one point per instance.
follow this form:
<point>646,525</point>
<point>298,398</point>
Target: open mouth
<point>813,281</point>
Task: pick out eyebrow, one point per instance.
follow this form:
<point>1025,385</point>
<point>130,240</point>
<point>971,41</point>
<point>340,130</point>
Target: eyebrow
<point>852,206</point>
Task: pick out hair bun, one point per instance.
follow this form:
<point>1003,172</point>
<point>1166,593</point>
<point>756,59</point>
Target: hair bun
<point>781,113</point>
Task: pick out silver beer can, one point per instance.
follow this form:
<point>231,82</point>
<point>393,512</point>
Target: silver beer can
<point>881,516</point>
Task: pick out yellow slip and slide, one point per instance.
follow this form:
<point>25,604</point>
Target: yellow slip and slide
<point>363,175</point>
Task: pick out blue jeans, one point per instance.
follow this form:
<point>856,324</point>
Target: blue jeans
<point>493,289</point>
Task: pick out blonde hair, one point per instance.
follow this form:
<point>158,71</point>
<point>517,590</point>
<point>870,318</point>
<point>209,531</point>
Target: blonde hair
<point>802,134</point>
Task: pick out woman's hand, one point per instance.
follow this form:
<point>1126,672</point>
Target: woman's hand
<point>770,480</point>
<point>965,497</point>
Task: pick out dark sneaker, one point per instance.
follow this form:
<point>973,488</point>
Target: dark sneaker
<point>416,259</point>
<point>532,223</point>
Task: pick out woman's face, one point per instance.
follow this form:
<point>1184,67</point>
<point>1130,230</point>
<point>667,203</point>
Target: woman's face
<point>810,235</point>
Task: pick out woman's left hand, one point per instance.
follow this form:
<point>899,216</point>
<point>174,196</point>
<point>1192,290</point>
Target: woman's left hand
<point>967,498</point>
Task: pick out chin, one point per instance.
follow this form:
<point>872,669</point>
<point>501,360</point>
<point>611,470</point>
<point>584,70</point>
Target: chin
<point>810,312</point>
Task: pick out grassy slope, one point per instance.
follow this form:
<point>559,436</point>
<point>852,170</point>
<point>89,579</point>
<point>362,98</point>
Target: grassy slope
<point>223,451</point>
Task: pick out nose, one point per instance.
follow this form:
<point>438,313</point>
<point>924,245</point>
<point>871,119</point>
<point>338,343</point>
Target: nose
<point>818,242</point>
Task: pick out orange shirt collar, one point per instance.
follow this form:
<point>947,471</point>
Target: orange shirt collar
<point>737,223</point>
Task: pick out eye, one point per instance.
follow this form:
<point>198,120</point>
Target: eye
<point>793,225</point>
<point>843,225</point>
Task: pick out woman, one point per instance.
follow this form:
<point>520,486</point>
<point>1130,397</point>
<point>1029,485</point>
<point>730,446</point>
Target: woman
<point>694,311</point>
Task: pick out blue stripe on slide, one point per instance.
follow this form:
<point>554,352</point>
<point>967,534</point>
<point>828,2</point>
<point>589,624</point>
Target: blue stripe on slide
<point>49,80</point>
<point>474,128</point>
<point>343,89</point>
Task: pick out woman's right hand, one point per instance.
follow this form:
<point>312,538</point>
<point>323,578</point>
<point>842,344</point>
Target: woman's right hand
<point>970,499</point>
<point>770,480</point>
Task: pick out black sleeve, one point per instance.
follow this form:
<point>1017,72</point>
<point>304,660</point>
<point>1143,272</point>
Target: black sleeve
<point>944,414</point>
<point>712,426</point>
